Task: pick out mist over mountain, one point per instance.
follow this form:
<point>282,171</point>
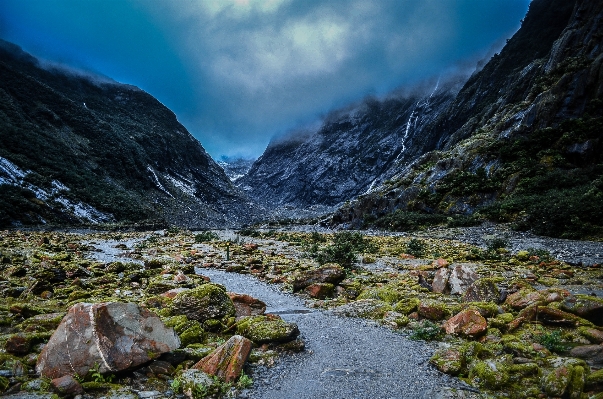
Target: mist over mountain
<point>79,148</point>
<point>353,150</point>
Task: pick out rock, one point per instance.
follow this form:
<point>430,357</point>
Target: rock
<point>329,273</point>
<point>320,290</point>
<point>433,310</point>
<point>115,336</point>
<point>450,361</point>
<point>264,329</point>
<point>208,301</point>
<point>527,296</point>
<point>592,334</point>
<point>192,381</point>
<point>469,323</point>
<point>173,292</point>
<point>488,374</point>
<point>227,361</point>
<point>592,354</point>
<point>566,379</point>
<point>18,344</point>
<point>67,386</point>
<point>160,367</point>
<point>461,278</point>
<point>555,383</point>
<point>246,305</point>
<point>595,380</point>
<point>365,308</point>
<point>440,281</point>
<point>407,306</point>
<point>587,307</point>
<point>482,290</point>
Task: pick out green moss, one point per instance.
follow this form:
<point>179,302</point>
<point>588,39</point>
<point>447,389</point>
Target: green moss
<point>193,334</point>
<point>388,293</point>
<point>407,305</point>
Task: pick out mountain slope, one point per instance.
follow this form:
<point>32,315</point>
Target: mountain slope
<point>70,142</point>
<point>522,140</point>
<point>352,151</point>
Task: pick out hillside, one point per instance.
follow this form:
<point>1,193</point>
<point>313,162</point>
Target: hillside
<point>521,142</point>
<point>350,152</point>
<point>85,149</point>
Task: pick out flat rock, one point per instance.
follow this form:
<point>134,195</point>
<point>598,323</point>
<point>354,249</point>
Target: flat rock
<point>246,305</point>
<point>113,335</point>
<point>592,354</point>
<point>227,361</point>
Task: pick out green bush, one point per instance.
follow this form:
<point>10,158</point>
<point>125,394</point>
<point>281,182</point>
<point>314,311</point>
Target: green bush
<point>416,248</point>
<point>343,250</point>
<point>206,236</point>
<point>426,331</point>
<point>552,341</point>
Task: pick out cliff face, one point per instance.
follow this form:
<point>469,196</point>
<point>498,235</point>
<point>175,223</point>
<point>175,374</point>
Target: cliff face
<point>350,153</point>
<point>522,141</point>
<point>77,148</point>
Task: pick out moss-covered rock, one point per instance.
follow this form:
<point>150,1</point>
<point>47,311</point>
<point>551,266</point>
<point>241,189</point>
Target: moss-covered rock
<point>208,301</point>
<point>433,310</point>
<point>489,374</point>
<point>264,329</point>
<point>450,361</point>
<point>364,308</point>
<point>388,293</point>
<point>595,380</point>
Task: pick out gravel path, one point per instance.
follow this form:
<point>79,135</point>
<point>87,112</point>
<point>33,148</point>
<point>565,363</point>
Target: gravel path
<point>344,357</point>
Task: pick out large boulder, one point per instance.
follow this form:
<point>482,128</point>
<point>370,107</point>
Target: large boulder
<point>112,336</point>
<point>330,273</point>
<point>208,301</point>
<point>587,307</point>
<point>227,361</point>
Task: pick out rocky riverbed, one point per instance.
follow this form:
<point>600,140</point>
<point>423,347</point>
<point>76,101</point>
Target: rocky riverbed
<point>439,313</point>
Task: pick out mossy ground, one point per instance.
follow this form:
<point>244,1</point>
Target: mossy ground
<point>393,279</point>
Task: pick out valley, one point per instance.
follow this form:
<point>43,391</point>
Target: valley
<point>442,240</point>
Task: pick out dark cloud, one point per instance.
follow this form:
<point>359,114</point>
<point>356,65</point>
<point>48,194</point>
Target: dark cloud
<point>238,72</point>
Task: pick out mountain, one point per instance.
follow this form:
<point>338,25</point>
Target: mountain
<point>77,148</point>
<point>350,152</point>
<point>235,168</point>
<point>521,142</point>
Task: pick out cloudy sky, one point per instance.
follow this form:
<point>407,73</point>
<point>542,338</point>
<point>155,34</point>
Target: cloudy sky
<point>238,72</point>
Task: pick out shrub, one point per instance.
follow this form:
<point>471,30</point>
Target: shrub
<point>426,331</point>
<point>416,248</point>
<point>206,236</point>
<point>344,249</point>
<point>552,341</point>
